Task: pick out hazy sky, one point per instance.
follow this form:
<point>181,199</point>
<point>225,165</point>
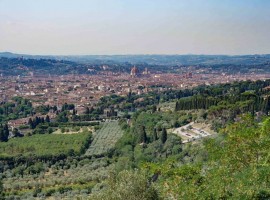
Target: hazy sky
<point>135,26</point>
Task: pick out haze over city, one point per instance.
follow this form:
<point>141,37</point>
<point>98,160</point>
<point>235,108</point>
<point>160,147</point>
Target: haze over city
<point>135,27</point>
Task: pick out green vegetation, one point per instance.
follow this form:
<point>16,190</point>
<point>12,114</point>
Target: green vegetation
<point>146,140</point>
<point>45,145</point>
<point>4,133</point>
<point>18,108</point>
<point>138,156</point>
<point>164,63</point>
<point>105,139</point>
<point>18,66</point>
<point>237,166</point>
<point>1,189</point>
<point>128,185</point>
<point>73,177</point>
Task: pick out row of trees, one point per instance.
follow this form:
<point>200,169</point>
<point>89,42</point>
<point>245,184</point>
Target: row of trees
<point>33,123</point>
<point>229,92</point>
<point>143,138</point>
<point>246,102</point>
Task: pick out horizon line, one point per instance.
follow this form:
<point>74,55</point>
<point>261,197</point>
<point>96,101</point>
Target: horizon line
<point>133,54</point>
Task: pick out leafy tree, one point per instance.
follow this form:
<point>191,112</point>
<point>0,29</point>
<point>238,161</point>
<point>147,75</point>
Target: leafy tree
<point>62,117</point>
<point>236,168</point>
<point>50,130</point>
<point>67,107</point>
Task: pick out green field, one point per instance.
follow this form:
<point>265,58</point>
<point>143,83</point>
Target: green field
<point>42,145</point>
<point>105,138</point>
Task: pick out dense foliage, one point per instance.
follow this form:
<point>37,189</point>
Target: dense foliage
<point>237,166</point>
<point>18,108</point>
<point>4,133</point>
<point>22,66</point>
<point>146,140</point>
<point>132,185</point>
<point>1,189</point>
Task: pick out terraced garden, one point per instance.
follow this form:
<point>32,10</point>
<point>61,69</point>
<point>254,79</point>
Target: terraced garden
<point>105,138</point>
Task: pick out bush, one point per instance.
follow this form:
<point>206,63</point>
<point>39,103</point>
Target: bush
<point>128,185</point>
<point>36,192</point>
<point>23,127</point>
<point>49,192</point>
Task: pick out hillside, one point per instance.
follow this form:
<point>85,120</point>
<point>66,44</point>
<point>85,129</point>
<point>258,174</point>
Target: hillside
<point>209,142</point>
<point>16,64</point>
<point>156,59</point>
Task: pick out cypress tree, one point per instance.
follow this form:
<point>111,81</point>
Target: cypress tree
<point>54,108</point>
<point>2,137</point>
<point>4,133</point>
<point>163,135</point>
<point>1,190</point>
<point>142,137</point>
<point>37,121</point>
<point>155,137</point>
<point>177,106</point>
<point>31,123</point>
<point>91,110</point>
<point>87,111</point>
<point>47,119</point>
<point>42,120</point>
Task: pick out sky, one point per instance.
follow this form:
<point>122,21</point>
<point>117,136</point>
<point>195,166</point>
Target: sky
<point>108,27</point>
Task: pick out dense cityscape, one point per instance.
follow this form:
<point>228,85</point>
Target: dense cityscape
<point>85,90</point>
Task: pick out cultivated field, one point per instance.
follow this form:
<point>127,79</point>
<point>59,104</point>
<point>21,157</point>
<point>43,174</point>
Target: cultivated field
<point>105,138</point>
<point>41,145</point>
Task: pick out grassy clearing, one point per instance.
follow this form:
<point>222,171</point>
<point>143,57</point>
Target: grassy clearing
<point>167,106</point>
<point>41,145</point>
<point>204,126</point>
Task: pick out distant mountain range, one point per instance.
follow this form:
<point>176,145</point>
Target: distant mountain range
<point>155,59</point>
